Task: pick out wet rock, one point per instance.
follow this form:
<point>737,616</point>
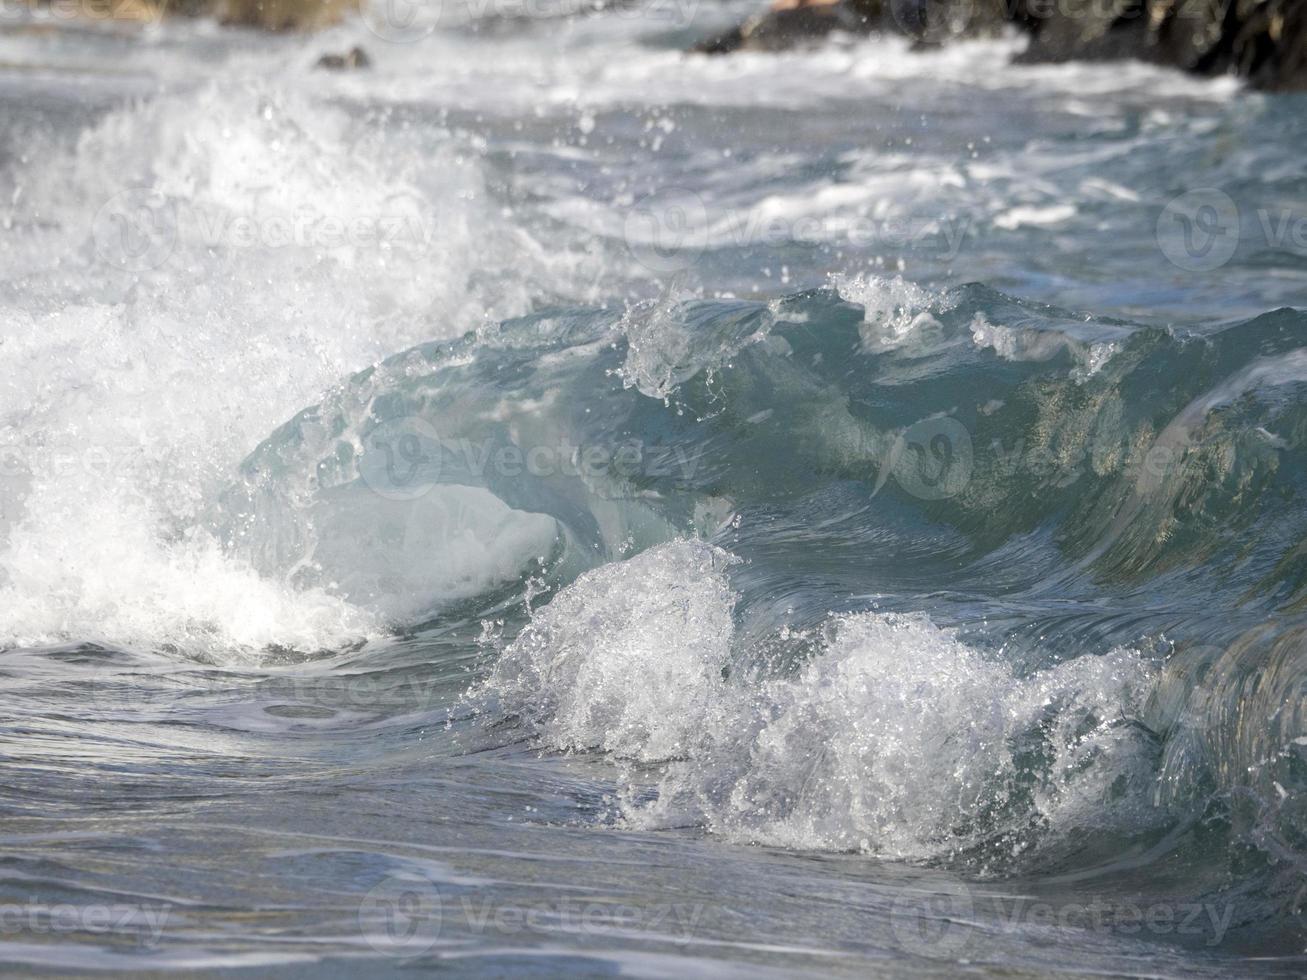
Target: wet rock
<point>791,23</point>
<point>354,58</point>
<point>1264,41</point>
<point>929,22</point>
<point>934,22</point>
<point>1108,30</point>
<point>1268,44</point>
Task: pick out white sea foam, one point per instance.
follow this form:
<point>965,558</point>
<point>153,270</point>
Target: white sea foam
<point>664,349</point>
<point>284,252</point>
<point>1026,344</point>
<point>894,311</point>
<point>628,658</point>
<point>895,739</point>
<point>1027,215</point>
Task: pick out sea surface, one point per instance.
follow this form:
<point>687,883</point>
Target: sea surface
<point>546,503</point>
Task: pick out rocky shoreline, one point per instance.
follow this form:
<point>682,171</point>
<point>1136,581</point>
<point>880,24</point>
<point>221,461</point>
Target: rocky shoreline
<point>1263,41</point>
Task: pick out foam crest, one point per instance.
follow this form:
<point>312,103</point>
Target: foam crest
<point>119,424</point>
<point>895,739</point>
<point>1015,344</point>
<point>669,343</point>
<point>901,741</point>
<point>896,311</point>
<point>230,253</point>
<point>627,658</point>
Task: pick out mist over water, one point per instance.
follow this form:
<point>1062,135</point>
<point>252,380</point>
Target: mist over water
<point>552,502</point>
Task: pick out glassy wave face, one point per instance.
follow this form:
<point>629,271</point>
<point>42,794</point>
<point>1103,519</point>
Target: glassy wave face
<point>443,525</point>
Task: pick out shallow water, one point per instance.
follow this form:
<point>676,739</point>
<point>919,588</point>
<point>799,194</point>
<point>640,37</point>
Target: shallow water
<point>551,503</point>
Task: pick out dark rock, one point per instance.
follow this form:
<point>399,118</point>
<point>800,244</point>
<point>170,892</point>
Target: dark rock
<point>1186,33</point>
<point>1093,32</point>
<point>1270,46</point>
<point>351,59</point>
<point>790,26</point>
<point>1264,41</point>
<point>930,22</point>
<point>939,21</point>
